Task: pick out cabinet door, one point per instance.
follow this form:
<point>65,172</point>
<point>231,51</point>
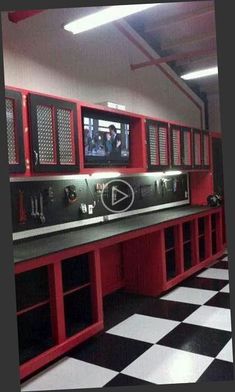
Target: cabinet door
<point>157,141</point>
<point>197,149</point>
<point>186,147</point>
<point>205,150</point>
<point>176,146</point>
<point>15,139</point>
<point>54,134</point>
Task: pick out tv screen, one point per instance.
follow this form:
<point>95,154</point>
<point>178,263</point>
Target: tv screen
<point>106,141</point>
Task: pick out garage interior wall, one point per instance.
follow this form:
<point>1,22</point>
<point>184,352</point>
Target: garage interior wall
<point>94,66</point>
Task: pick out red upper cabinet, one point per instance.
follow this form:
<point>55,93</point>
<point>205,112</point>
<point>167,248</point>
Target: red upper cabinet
<point>157,145</point>
<point>181,147</point>
<point>205,150</point>
<point>15,134</point>
<point>197,149</point>
<point>53,134</point>
<point>176,147</point>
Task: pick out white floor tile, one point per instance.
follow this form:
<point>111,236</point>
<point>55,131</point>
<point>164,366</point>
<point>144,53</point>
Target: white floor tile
<point>225,289</point>
<point>227,353</point>
<point>190,295</point>
<point>144,328</point>
<point>214,273</point>
<point>165,365</point>
<point>211,317</point>
<point>70,374</point>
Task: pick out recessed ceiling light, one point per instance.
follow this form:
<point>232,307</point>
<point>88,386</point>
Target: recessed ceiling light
<point>200,74</point>
<point>105,16</point>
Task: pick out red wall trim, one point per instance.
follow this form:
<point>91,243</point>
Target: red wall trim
<point>17,16</point>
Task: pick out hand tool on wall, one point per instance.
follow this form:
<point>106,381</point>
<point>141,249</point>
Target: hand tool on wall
<point>42,217</point>
<point>33,214</point>
<point>36,207</point>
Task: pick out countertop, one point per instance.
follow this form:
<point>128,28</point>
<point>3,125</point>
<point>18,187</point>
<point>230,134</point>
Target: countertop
<point>36,247</point>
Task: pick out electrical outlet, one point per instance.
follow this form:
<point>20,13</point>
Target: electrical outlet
<point>84,208</point>
<point>90,209</point>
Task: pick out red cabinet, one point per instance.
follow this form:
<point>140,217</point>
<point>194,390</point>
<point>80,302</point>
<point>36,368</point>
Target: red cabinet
<point>205,150</point>
<point>54,134</point>
<point>181,147</point>
<point>157,142</point>
<point>197,149</point>
<point>15,138</point>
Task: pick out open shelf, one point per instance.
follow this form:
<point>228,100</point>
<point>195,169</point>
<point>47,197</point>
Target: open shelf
<point>202,248</point>
<point>187,231</point>
<point>78,311</point>
<point>187,255</point>
<point>34,332</point>
<point>32,288</point>
<point>171,264</point>
<point>75,272</point>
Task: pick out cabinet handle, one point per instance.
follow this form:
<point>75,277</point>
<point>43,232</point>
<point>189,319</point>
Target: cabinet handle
<point>36,157</point>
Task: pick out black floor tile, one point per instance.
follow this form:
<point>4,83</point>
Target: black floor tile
<point>204,283</point>
<point>218,371</point>
<point>196,339</point>
<point>121,380</point>
<point>110,351</point>
<point>171,310</point>
<point>120,305</point>
<point>221,265</point>
<point>220,300</point>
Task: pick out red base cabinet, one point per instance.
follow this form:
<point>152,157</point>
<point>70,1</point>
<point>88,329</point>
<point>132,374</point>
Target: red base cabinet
<point>59,305</point>
<point>60,296</point>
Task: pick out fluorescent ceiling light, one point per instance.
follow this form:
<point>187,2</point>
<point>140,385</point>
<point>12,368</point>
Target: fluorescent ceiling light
<point>105,16</point>
<point>105,174</point>
<point>172,173</point>
<point>200,74</point>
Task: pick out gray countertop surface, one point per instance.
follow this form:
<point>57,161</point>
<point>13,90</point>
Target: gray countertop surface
<point>37,247</point>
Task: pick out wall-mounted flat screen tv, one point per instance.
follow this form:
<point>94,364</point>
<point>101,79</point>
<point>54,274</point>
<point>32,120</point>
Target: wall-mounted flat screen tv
<point>106,140</point>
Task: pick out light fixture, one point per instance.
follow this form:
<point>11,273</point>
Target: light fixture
<point>105,16</point>
<point>172,173</point>
<point>105,174</point>
<point>200,74</point>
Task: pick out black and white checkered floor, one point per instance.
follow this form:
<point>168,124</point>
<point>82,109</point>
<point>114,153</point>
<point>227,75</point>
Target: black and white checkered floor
<point>182,337</point>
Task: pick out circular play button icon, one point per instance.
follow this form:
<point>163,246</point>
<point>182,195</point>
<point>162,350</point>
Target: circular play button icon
<point>117,196</point>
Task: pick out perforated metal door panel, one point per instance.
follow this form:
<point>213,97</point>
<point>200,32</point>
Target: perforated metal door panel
<point>153,148</point>
<point>163,149</point>
<point>206,159</point>
<point>65,136</point>
<point>187,148</point>
<point>11,132</point>
<point>46,137</point>
<point>197,149</point>
<point>176,153</point>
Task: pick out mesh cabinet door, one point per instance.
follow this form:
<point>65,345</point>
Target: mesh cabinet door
<point>157,145</point>
<point>186,146</point>
<point>54,135</point>
<point>197,148</point>
<point>205,150</point>
<point>14,128</point>
<point>176,147</point>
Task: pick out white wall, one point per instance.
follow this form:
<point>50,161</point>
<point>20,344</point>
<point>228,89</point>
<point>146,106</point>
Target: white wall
<point>94,66</point>
<point>214,113</point>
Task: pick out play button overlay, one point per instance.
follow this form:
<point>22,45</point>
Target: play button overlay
<point>117,196</point>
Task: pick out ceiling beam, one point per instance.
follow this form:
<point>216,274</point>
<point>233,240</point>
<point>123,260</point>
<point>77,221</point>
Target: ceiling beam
<point>173,57</point>
<point>165,23</point>
<point>188,40</point>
